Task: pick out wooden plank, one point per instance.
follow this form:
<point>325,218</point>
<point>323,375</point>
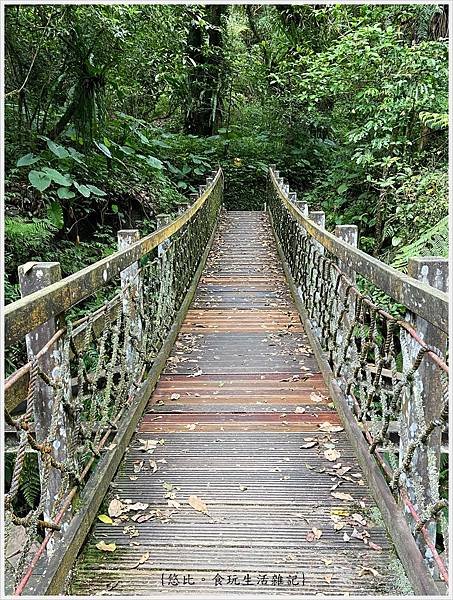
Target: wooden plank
<point>53,574</point>
<point>420,298</point>
<point>264,491</point>
<point>30,312</point>
<point>406,547</point>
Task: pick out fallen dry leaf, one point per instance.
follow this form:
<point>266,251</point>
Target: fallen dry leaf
<point>342,496</point>
<point>332,455</point>
<point>359,519</point>
<point>309,445</point>
<point>137,506</point>
<point>372,545</point>
<point>131,531</point>
<point>198,504</point>
<point>328,578</point>
<point>314,534</point>
<point>368,571</point>
<point>138,465</point>
<point>143,558</point>
<point>106,547</point>
<point>329,428</point>
<point>314,397</point>
<point>175,396</point>
<point>116,508</point>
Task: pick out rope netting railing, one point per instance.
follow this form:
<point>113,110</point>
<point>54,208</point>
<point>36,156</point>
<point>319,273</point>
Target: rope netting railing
<point>391,371</point>
<point>91,372</point>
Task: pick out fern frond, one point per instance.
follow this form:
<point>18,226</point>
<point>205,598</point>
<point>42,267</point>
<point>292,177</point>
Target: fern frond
<point>31,234</point>
<point>30,484</point>
<point>434,120</point>
<point>433,242</point>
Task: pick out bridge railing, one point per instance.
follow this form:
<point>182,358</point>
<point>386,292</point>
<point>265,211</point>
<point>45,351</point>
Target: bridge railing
<point>75,405</point>
<point>387,374</point>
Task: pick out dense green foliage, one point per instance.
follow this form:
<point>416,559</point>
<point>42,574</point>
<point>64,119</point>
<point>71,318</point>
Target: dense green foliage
<point>116,113</point>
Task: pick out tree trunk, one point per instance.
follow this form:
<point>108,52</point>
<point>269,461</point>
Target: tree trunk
<point>206,74</point>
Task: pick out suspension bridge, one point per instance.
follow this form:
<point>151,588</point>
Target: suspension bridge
<point>242,413</point>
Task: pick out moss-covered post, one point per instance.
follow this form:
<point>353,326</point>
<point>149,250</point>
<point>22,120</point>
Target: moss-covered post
<point>34,276</point>
<point>131,285</point>
<point>423,400</point>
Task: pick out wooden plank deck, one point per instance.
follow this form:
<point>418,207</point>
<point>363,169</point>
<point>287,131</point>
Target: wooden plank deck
<point>244,423</point>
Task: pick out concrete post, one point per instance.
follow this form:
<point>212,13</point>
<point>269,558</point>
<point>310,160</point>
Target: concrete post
<point>303,207</point>
<point>319,218</point>
<point>34,277</point>
<point>422,399</point>
<point>161,221</point>
<point>349,234</point>
<point>130,277</point>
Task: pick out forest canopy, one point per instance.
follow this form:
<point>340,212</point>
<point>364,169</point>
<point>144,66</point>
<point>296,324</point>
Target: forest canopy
<point>115,114</point>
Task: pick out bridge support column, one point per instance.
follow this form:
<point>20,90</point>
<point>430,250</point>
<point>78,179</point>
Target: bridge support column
<point>55,364</point>
<point>422,402</point>
<point>131,284</point>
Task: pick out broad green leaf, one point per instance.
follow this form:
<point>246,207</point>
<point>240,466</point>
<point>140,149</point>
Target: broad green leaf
<point>28,159</point>
<point>173,169</point>
<point>39,180</point>
<point>114,208</point>
<point>83,189</point>
<point>75,155</point>
<point>95,190</point>
<point>103,148</point>
<point>154,162</point>
<point>64,193</point>
<point>55,214</point>
<point>57,176</point>
<point>142,137</point>
<point>57,149</point>
<point>342,188</point>
<point>182,185</point>
<point>127,150</point>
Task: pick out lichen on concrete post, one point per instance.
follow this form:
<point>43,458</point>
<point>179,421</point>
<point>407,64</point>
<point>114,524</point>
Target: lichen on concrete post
<point>161,221</point>
<point>319,218</point>
<point>350,235</point>
<point>34,276</point>
<point>423,401</point>
<point>131,285</point>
